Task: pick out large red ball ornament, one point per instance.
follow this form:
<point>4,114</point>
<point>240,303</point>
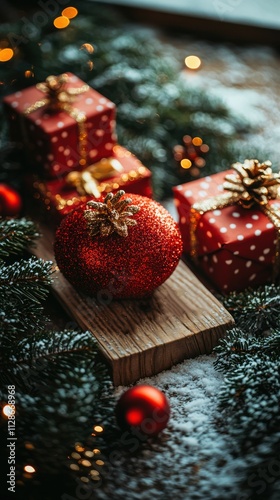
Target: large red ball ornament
<point>143,407</point>
<point>121,247</point>
<point>10,201</point>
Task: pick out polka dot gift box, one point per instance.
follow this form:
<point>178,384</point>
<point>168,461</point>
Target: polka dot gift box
<point>122,170</point>
<point>63,124</point>
<point>230,224</point>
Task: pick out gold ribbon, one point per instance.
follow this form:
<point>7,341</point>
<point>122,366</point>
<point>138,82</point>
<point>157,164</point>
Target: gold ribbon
<point>252,184</point>
<point>86,182</point>
<point>59,98</point>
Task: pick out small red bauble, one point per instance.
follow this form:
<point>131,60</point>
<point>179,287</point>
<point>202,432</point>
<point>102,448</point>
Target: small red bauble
<point>10,201</point>
<point>143,407</point>
<point>112,249</point>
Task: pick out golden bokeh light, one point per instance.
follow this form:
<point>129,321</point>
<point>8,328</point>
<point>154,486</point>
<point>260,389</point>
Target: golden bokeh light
<point>94,472</point>
<point>89,454</point>
<point>85,463</point>
<point>98,428</point>
<point>74,467</point>
<point>88,47</point>
<point>30,469</point>
<point>79,447</point>
<point>28,74</point>
<point>192,62</point>
<point>186,163</point>
<point>69,12</point>
<point>99,462</point>
<point>6,54</point>
<point>61,22</point>
<point>197,141</point>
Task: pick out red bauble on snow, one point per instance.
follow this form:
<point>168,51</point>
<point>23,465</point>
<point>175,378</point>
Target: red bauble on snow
<point>113,249</point>
<point>10,201</point>
<point>144,407</point>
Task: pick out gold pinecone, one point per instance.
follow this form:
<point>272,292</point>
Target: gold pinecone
<point>112,215</point>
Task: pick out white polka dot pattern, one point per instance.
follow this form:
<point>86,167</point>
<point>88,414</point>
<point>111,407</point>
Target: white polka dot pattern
<point>54,137</point>
<point>237,246</point>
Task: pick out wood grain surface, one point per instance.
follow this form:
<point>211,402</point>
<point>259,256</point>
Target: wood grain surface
<point>140,338</point>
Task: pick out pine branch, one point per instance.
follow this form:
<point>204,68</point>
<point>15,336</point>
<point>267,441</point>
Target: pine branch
<point>238,344</point>
<point>67,387</point>
<point>49,351</point>
<point>255,310</point>
<point>250,360</point>
<point>25,280</point>
<point>251,395</point>
<point>249,356</point>
<point>24,285</point>
<point>16,235</point>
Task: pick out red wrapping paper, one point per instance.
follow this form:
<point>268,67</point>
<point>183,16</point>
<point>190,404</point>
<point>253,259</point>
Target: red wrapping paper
<point>51,139</point>
<point>236,246</point>
<point>58,199</point>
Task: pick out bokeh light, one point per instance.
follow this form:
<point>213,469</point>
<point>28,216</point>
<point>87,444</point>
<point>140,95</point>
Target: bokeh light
<point>192,62</point>
<point>30,469</point>
<point>6,54</point>
<point>28,74</point>
<point>197,141</point>
<point>70,12</point>
<point>186,163</point>
<point>61,22</point>
<point>88,47</point>
<point>8,410</point>
<point>98,428</point>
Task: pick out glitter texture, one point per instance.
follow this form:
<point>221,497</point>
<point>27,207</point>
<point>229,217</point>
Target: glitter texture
<point>117,267</point>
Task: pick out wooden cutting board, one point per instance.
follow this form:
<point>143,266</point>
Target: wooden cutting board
<point>140,338</point>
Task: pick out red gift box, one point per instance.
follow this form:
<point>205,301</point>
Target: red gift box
<point>52,138</point>
<point>59,198</point>
<point>235,246</point>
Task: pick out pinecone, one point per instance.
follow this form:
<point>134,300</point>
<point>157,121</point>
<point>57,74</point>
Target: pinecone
<point>110,216</point>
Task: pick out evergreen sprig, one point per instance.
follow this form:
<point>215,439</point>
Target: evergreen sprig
<point>251,395</point>
<point>64,390</point>
<point>249,356</point>
<point>16,235</point>
<point>237,345</point>
<point>255,309</point>
<point>24,285</point>
<point>61,384</point>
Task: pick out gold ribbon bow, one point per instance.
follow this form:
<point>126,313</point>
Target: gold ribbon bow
<point>59,98</point>
<point>86,182</point>
<point>253,183</point>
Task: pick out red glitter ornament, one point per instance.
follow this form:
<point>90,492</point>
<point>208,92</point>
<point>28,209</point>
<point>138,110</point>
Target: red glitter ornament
<point>143,407</point>
<point>113,250</point>
<point>10,201</point>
